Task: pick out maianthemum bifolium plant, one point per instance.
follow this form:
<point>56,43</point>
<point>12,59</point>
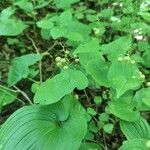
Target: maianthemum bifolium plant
<point>78,75</point>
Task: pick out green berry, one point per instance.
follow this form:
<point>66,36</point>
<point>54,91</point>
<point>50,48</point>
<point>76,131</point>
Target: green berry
<point>67,52</point>
<point>63,61</point>
<point>58,59</point>
<point>65,67</point>
<point>75,56</point>
<point>127,58</point>
<point>142,76</point>
<point>59,64</point>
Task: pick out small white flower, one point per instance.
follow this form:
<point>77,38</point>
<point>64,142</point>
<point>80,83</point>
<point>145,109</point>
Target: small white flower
<point>138,37</point>
<point>136,31</point>
<point>121,4</point>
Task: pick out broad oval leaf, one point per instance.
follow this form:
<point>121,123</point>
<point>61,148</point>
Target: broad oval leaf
<point>52,90</point>
<point>60,126</point>
<point>20,67</point>
<point>139,129</point>
<point>143,96</point>
<point>98,70</point>
<point>90,47</point>
<point>6,96</point>
<point>137,144</point>
<point>117,48</point>
<point>120,76</point>
<point>11,27</point>
<point>64,4</point>
<point>123,110</point>
<point>89,146</point>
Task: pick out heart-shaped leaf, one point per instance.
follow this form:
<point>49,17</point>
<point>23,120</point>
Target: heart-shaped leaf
<point>137,144</point>
<point>60,126</point>
<point>20,67</point>
<point>52,90</point>
<point>124,110</point>
<point>138,129</point>
<point>123,76</point>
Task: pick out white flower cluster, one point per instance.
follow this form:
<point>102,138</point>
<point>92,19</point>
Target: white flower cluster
<point>145,6</point>
<point>138,35</point>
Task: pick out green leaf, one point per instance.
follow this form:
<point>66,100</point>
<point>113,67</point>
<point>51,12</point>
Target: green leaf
<point>11,27</point>
<point>45,24</point>
<point>123,76</point>
<point>58,32</point>
<point>20,67</point>
<point>124,110</point>
<point>64,4</point>
<point>58,126</point>
<point>117,48</point>
<point>52,90</point>
<point>98,70</point>
<point>137,144</point>
<point>90,47</point>
<point>89,146</point>
<point>6,97</point>
<point>108,128</point>
<point>24,4</point>
<point>7,13</point>
<point>143,96</point>
<point>139,129</point>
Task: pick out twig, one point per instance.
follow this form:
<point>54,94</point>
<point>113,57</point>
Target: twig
<point>23,94</point>
<point>50,48</point>
<point>14,91</point>
<point>40,62</point>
